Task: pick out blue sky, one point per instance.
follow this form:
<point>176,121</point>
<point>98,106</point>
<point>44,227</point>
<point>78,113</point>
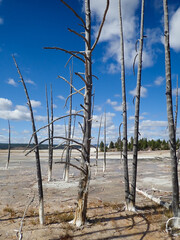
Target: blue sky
<point>27,27</point>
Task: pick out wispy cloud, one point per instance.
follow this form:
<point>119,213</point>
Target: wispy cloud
<point>30,81</point>
<point>112,103</point>
<point>143,92</point>
<point>1,21</point>
<point>159,80</point>
<point>12,82</point>
<point>61,97</point>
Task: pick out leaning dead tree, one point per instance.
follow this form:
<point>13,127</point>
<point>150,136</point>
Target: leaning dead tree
<point>86,77</point>
<point>171,125</point>
<point>36,149</point>
<point>9,145</point>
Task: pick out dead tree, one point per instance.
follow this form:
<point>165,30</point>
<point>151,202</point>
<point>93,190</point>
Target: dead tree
<point>9,145</point>
<point>131,205</point>
<point>86,77</point>
<point>171,125</point>
<point>176,112</point>
<point>123,86</point>
<point>68,150</point>
<point>104,161</point>
<point>36,149</point>
<point>97,150</point>
<point>50,135</point>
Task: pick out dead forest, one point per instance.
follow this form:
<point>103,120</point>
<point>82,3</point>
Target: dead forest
<point>75,191</point>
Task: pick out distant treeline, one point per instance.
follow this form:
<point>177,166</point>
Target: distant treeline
<point>143,144</point>
<point>24,145</point>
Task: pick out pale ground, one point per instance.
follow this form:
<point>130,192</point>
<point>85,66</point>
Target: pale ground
<point>107,218</point>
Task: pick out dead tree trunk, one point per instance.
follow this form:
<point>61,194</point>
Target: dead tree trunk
<point>104,162</point>
<point>68,151</point>
<point>136,123</point>
<point>51,135</point>
<point>172,137</point>
<point>176,112</point>
<point>123,85</point>
<point>97,147</point>
<point>38,166</point>
<point>9,145</point>
<point>80,215</point>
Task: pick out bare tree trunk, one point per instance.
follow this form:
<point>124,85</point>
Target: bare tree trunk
<point>38,166</point>
<point>9,145</point>
<point>104,162</point>
<point>80,214</point>
<point>68,151</point>
<point>125,157</point>
<point>136,123</point>
<point>51,134</point>
<point>97,147</point>
<point>172,137</point>
<point>176,112</point>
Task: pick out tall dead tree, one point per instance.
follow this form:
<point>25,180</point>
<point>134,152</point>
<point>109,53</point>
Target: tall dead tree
<point>50,135</point>
<point>131,205</point>
<point>9,145</point>
<point>176,112</point>
<point>171,126</point>
<point>97,147</point>
<point>123,86</point>
<point>36,149</point>
<point>86,77</point>
<point>104,161</point>
<point>68,150</point>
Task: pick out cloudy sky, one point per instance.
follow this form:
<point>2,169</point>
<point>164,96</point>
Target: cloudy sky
<point>27,27</point>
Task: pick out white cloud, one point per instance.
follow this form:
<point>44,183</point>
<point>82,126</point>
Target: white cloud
<point>174,30</point>
<point>97,108</point>
<point>143,92</point>
<point>54,106</point>
<point>11,82</point>
<point>1,21</point>
<point>118,108</point>
<point>61,97</point>
<point>35,103</point>
<point>111,33</point>
<point>152,124</point>
<point>159,80</point>
<point>30,81</point>
<point>132,117</point>
<point>5,104</point>
<point>18,113</point>
<point>111,102</point>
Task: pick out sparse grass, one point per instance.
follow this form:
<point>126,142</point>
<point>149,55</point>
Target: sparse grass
<point>114,206</point>
<point>57,217</point>
<point>168,213</point>
<point>10,210</point>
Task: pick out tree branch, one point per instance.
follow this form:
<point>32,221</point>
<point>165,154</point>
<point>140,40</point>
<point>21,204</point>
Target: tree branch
<point>73,53</point>
<point>101,26</point>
